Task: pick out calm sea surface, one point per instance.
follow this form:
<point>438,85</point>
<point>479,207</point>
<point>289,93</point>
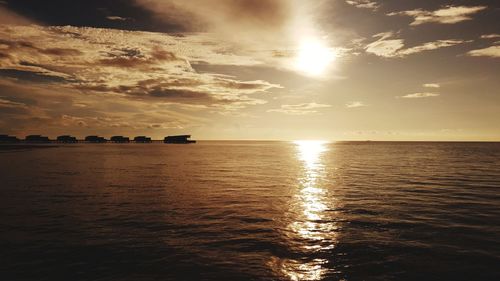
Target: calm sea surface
<point>251,211</point>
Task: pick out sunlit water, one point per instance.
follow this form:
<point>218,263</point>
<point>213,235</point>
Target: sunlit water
<point>251,211</point>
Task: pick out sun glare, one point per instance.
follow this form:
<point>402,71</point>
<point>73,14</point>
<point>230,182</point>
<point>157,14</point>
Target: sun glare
<point>310,150</point>
<point>314,57</point>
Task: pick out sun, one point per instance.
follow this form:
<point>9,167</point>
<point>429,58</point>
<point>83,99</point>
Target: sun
<point>314,57</point>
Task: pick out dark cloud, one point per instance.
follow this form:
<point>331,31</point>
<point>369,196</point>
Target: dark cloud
<point>203,15</point>
<point>243,85</point>
<point>93,13</point>
<point>162,55</point>
<point>175,82</point>
<point>29,109</point>
<point>61,51</point>
<point>31,76</point>
<point>157,89</point>
<point>12,111</point>
<point>124,62</point>
<point>10,95</point>
<point>126,52</point>
<point>16,45</point>
<point>9,106</point>
<point>182,94</point>
<point>63,72</point>
<point>187,91</point>
<point>262,12</point>
<point>176,16</point>
<point>135,58</point>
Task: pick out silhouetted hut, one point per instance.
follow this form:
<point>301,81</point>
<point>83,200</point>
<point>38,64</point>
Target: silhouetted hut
<point>142,139</point>
<point>37,139</point>
<point>120,139</point>
<point>95,139</point>
<point>67,139</point>
<point>8,139</point>
<point>178,139</point>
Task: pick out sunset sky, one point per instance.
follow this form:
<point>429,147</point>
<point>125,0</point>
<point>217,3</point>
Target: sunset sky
<point>242,69</point>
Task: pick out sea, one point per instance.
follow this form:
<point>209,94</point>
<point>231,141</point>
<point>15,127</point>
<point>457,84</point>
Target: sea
<point>248,210</point>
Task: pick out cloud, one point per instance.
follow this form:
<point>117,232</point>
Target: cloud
<point>355,104</point>
<point>117,18</point>
<point>60,52</point>
<point>431,85</point>
<point>493,52</point>
<point>387,47</point>
<point>33,76</point>
<point>277,27</point>
<point>5,103</point>
<point>364,4</point>
<point>490,36</point>
<point>242,21</point>
<point>431,46</point>
<point>179,94</point>
<point>299,109</point>
<point>202,12</point>
<point>32,108</point>
<point>125,63</point>
<point>446,15</point>
<point>9,17</point>
<point>105,79</point>
<point>420,95</point>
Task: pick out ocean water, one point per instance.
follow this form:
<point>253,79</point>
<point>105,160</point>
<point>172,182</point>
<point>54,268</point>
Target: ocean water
<point>251,211</point>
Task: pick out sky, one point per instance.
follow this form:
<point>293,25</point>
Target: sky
<point>258,70</point>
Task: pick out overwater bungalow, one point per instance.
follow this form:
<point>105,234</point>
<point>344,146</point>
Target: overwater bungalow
<point>119,139</point>
<point>66,139</point>
<point>183,139</point>
<point>8,139</point>
<point>95,139</point>
<point>142,139</point>
<point>37,139</point>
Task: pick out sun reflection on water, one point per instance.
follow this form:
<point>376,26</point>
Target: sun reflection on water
<point>310,231</point>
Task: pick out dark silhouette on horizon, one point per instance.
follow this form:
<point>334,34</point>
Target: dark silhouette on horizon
<point>95,139</point>
<point>66,139</point>
<point>142,139</point>
<point>119,139</point>
<point>37,139</point>
<point>178,139</point>
<point>8,139</point>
